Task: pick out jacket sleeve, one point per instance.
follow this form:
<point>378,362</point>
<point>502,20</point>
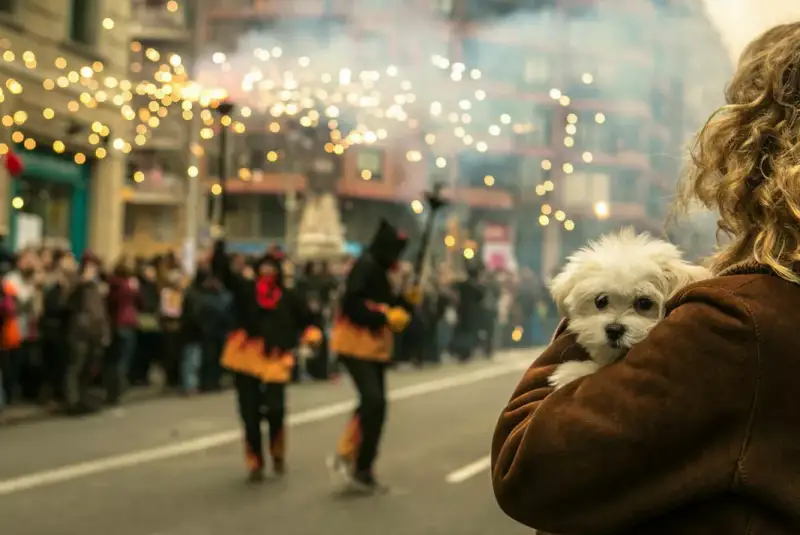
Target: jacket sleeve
<point>356,295</point>
<point>303,315</point>
<point>661,427</point>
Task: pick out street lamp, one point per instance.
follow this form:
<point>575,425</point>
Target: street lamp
<point>223,109</point>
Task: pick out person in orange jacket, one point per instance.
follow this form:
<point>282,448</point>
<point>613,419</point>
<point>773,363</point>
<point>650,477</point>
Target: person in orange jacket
<point>270,321</point>
<point>370,313</point>
<point>10,340</point>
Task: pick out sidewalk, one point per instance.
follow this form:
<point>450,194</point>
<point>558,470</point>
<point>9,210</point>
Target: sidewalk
<point>22,414</point>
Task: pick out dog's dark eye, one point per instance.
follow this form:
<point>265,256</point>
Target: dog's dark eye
<point>601,302</point>
<point>643,304</point>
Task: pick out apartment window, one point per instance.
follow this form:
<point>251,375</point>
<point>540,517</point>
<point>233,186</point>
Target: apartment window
<point>369,163</point>
<point>82,22</point>
<point>531,173</point>
<point>586,189</point>
<point>625,187</point>
<point>538,71</point>
<point>484,56</point>
<point>533,127</point>
<point>625,135</point>
<point>590,135</point>
<point>442,7</point>
<point>479,170</point>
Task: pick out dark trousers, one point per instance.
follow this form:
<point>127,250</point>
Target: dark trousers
<point>12,364</point>
<point>210,369</point>
<point>261,401</point>
<point>148,347</point>
<point>55,357</point>
<point>172,354</point>
<point>369,379</point>
<point>31,372</point>
<point>116,366</point>
<point>85,357</point>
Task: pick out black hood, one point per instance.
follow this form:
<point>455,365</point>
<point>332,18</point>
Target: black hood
<point>387,244</point>
<point>274,258</point>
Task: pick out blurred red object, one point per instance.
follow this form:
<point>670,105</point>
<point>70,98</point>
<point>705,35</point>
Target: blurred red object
<point>14,164</point>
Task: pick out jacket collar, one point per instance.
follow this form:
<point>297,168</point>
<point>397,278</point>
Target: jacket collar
<point>748,267</point>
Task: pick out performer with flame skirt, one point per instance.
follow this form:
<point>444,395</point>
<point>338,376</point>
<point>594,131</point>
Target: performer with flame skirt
<point>270,322</point>
<point>362,337</point>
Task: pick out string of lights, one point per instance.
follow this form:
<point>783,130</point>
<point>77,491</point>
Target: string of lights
<point>290,89</point>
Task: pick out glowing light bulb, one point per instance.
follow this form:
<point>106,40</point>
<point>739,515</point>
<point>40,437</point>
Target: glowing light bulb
<point>601,210</point>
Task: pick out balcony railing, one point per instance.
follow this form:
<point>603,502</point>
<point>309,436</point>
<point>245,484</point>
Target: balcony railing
<point>151,20</point>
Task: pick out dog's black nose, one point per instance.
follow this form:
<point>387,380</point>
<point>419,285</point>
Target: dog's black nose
<point>614,331</point>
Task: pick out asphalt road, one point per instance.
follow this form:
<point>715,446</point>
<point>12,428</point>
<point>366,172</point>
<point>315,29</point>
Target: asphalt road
<point>175,467</point>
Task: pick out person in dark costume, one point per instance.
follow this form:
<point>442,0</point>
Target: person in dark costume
<point>470,310</point>
<point>369,315</point>
<point>269,322</point>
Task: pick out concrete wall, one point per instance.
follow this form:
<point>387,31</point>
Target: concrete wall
<point>43,27</point>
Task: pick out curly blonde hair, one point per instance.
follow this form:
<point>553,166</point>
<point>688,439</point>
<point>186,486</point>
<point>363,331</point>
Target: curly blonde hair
<point>745,162</point>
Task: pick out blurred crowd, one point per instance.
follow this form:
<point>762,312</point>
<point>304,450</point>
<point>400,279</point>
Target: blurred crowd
<point>77,334</point>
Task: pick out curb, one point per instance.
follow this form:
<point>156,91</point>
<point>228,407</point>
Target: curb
<point>26,414</point>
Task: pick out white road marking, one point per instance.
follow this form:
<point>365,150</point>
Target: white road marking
<point>469,471</point>
<point>202,443</point>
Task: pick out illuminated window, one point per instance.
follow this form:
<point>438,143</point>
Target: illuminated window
<point>369,162</point>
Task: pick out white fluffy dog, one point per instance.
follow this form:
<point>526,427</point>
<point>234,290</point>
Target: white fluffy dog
<point>613,292</point>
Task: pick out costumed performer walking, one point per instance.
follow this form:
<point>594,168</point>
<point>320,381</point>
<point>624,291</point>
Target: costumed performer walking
<point>362,337</point>
<point>270,321</point>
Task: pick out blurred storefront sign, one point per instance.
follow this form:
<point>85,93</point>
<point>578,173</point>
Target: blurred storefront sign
<point>497,251</point>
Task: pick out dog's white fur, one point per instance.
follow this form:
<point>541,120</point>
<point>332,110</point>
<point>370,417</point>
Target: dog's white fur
<point>628,271</point>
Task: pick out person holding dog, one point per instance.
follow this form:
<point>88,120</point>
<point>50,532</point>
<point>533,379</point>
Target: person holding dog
<point>694,430</point>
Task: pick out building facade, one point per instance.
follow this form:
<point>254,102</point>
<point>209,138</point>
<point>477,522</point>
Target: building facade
<point>64,66</point>
<point>160,190</point>
<point>560,118</point>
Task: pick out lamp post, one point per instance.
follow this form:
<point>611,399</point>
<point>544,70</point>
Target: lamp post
<point>223,110</point>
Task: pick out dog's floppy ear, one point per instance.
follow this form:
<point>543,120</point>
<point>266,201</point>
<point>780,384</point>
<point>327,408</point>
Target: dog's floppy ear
<point>561,286</point>
<point>679,274</point>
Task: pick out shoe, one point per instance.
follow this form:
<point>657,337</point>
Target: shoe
<point>255,476</point>
<point>339,468</point>
<point>365,482</point>
<point>279,467</point>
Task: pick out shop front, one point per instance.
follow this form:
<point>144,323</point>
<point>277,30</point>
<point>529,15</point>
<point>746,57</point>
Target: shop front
<point>50,202</point>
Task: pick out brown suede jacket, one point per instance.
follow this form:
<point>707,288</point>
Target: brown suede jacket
<point>695,432</point>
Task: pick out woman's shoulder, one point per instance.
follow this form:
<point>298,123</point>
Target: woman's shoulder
<point>753,294</point>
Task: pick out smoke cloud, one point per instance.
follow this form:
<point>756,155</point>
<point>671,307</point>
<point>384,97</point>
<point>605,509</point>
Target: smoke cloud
<point>505,80</point>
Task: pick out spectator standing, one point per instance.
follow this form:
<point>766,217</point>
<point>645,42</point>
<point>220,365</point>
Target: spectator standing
<point>22,367</point>
<point>124,303</point>
<point>54,322</point>
<point>149,341</point>
<point>171,309</point>
<point>87,333</point>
